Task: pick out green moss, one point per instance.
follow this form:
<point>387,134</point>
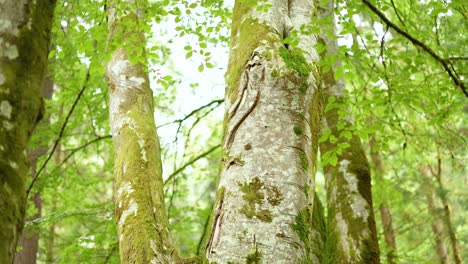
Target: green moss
<point>275,73</point>
<point>253,258</point>
<point>248,146</point>
<point>264,216</point>
<point>254,194</point>
<point>303,88</point>
<point>303,228</point>
<point>246,36</point>
<point>298,130</point>
<point>251,190</point>
<point>274,195</point>
<point>295,60</point>
<point>304,161</point>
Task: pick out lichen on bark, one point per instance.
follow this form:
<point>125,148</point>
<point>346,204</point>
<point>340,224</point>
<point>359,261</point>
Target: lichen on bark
<point>139,200</point>
<point>268,101</point>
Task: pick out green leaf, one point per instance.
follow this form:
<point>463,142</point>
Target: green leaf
<point>201,68</point>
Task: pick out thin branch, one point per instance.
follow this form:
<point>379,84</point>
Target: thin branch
<point>397,13</point>
<point>216,101</point>
<point>62,130</point>
<point>204,154</point>
<point>73,151</point>
<point>423,46</point>
<point>456,58</point>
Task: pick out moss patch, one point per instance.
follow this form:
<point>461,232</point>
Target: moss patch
<point>295,60</point>
<point>246,35</point>
<point>254,193</point>
<point>304,161</point>
<point>298,130</point>
<point>254,257</point>
<point>275,196</point>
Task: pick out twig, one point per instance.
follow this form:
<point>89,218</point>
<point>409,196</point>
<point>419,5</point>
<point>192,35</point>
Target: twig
<point>73,151</point>
<point>181,120</point>
<point>204,154</point>
<point>416,42</point>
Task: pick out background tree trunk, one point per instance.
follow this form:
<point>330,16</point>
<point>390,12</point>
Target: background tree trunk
<point>437,228</point>
<point>385,212</point>
<point>352,234</point>
<point>263,212</point>
<point>139,200</point>
<point>29,240</point>
<point>24,45</point>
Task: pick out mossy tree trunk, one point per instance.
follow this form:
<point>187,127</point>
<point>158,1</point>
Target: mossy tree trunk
<point>263,212</point>
<point>351,232</point>
<point>138,185</point>
<point>25,28</point>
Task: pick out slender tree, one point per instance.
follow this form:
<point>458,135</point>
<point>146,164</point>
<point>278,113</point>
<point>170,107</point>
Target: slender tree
<point>385,212</point>
<point>351,233</point>
<point>138,185</point>
<point>24,45</point>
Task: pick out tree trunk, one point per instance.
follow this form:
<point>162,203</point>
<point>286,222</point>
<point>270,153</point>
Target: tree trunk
<point>265,198</point>
<point>29,240</point>
<point>139,203</point>
<point>437,227</point>
<point>24,45</point>
<point>352,235</point>
<point>385,213</point>
<point>446,212</point>
<point>389,234</point>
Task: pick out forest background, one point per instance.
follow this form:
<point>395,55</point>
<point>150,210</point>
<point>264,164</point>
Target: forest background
<point>407,111</point>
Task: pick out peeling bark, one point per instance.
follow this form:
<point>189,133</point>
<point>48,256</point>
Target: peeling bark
<point>138,186</point>
<point>264,206</point>
<point>24,44</point>
<point>352,235</point>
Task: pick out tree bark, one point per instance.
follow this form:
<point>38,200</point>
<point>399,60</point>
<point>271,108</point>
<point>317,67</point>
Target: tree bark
<point>385,212</point>
<point>352,234</point>
<point>389,233</point>
<point>139,200</point>
<point>437,227</point>
<point>263,212</point>
<point>24,45</point>
<point>29,240</point>
<point>446,212</point>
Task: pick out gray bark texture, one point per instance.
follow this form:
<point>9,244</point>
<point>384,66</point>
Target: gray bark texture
<point>265,200</point>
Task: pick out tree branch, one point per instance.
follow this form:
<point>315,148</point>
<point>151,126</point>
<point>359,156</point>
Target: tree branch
<point>416,42</point>
<point>216,101</point>
<point>62,130</point>
<point>73,151</point>
<point>204,154</point>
